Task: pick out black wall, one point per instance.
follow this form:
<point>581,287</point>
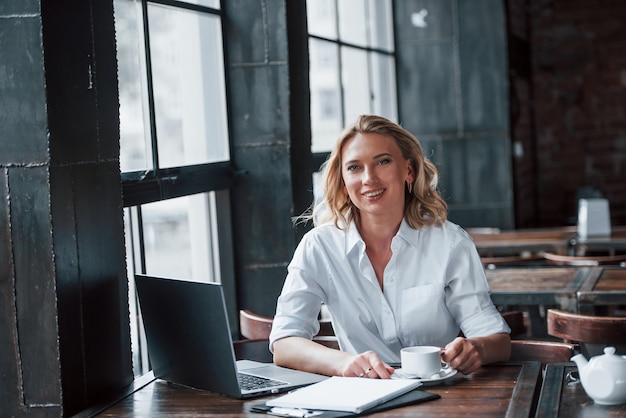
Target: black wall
<point>64,339</point>
<point>453,95</point>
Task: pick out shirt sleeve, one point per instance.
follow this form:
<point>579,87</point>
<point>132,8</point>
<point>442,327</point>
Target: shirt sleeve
<point>467,291</point>
<point>298,306</point>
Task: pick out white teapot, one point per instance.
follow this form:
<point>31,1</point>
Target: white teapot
<point>603,377</point>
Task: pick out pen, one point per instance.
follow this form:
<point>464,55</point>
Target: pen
<point>292,412</point>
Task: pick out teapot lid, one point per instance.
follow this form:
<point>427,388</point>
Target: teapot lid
<point>609,355</point>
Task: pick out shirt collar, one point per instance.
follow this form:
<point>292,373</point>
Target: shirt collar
<point>354,240</point>
<point>407,233</point>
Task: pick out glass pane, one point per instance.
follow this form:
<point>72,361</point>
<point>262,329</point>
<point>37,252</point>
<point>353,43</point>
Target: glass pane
<point>380,24</point>
<point>180,241</point>
<point>322,18</point>
<point>189,91</point>
<point>326,120</point>
<point>137,336</point>
<point>215,4</point>
<point>384,86</point>
<point>177,238</point>
<point>353,22</point>
<point>135,145</point>
<point>355,81</point>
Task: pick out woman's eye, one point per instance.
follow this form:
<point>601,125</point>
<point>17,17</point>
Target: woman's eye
<point>352,167</point>
<point>384,161</point>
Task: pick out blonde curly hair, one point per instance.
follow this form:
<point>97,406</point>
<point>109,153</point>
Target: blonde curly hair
<point>423,206</point>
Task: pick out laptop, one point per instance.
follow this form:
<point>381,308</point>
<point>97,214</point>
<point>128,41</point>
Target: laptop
<point>189,341</point>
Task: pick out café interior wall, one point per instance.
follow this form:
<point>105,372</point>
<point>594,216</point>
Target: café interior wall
<point>557,70</point>
<point>453,95</point>
<point>65,336</point>
<point>270,146</point>
<point>579,105</point>
<point>567,93</point>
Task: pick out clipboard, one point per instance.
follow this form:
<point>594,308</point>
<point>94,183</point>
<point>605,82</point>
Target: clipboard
<point>409,398</point>
<point>341,393</point>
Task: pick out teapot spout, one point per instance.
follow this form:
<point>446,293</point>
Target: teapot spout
<point>581,361</point>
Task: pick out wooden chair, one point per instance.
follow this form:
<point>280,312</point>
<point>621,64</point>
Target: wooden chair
<point>583,261</point>
<point>533,350</point>
<point>542,351</point>
<point>258,327</point>
<point>515,321</point>
<point>593,333</point>
<point>253,326</point>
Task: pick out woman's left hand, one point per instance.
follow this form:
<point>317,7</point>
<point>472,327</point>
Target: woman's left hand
<point>463,355</point>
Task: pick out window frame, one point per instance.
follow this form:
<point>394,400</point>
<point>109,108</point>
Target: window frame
<point>318,158</point>
<point>147,186</point>
<point>140,187</point>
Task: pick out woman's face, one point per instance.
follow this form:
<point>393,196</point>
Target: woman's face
<point>375,174</point>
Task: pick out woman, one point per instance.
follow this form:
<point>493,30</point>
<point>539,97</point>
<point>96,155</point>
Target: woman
<point>391,269</point>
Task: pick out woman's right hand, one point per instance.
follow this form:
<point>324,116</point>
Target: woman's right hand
<point>367,364</point>
<point>303,354</point>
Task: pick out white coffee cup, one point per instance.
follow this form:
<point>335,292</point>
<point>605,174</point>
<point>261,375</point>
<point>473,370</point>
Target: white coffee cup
<point>422,361</point>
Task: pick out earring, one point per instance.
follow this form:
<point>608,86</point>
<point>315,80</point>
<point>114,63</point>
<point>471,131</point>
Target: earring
<point>410,186</point>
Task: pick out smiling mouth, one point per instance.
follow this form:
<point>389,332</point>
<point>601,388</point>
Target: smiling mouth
<point>374,193</point>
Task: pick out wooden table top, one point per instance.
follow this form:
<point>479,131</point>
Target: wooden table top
<point>515,242</point>
<point>507,389</point>
<point>561,396</point>
<point>608,288</point>
<point>611,279</point>
<point>559,240</point>
<point>612,243</point>
<point>539,285</point>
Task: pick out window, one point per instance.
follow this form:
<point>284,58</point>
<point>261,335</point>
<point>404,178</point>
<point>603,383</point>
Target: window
<point>174,143</point>
<point>352,65</point>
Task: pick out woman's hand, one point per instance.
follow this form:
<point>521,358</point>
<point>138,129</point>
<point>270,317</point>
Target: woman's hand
<point>462,355</point>
<point>302,354</point>
<point>367,364</point>
<point>468,354</point>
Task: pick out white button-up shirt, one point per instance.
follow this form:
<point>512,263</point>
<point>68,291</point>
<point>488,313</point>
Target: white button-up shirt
<point>434,286</point>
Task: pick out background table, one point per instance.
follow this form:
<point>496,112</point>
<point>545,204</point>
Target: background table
<point>612,244</point>
<point>539,285</point>
<point>560,397</point>
<point>560,240</point>
<point>556,240</point>
<point>606,290</point>
<point>535,287</point>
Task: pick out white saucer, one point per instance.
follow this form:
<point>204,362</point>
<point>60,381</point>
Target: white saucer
<point>433,380</point>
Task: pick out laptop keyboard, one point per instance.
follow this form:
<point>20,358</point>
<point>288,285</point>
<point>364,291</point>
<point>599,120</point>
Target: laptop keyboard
<point>250,382</point>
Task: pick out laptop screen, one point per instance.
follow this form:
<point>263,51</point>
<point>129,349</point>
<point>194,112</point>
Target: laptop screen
<point>189,339</point>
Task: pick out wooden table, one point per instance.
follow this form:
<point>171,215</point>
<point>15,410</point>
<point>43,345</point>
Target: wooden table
<point>608,289</point>
<point>559,240</point>
<point>535,287</point>
<point>502,390</point>
<point>616,242</point>
<point>539,285</point>
<point>515,242</point>
<point>562,397</point>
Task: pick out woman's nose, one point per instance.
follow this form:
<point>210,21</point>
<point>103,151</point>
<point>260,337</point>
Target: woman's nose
<point>369,175</point>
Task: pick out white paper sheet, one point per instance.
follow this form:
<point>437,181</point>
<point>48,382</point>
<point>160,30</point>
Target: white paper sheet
<point>350,394</point>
